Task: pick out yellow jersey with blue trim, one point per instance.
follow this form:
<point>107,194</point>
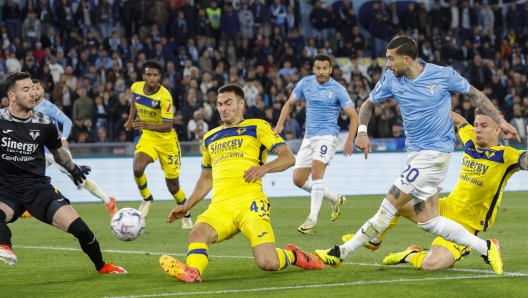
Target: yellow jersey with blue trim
<point>230,151</point>
<point>154,109</point>
<point>483,176</point>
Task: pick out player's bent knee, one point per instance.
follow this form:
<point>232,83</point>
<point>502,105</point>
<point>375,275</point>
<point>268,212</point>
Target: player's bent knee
<point>138,171</point>
<point>433,264</point>
<point>299,182</point>
<point>202,235</point>
<point>268,264</point>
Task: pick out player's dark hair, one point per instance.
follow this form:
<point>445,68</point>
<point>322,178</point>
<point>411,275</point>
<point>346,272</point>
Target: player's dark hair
<point>479,111</point>
<point>239,92</point>
<point>405,46</point>
<point>323,57</point>
<point>10,81</point>
<point>35,81</point>
<point>152,64</point>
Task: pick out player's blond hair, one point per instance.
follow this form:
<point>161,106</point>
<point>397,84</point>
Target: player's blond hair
<point>479,111</point>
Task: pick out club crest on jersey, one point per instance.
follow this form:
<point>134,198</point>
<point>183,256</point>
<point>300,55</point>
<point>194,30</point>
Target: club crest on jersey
<point>489,154</point>
<point>241,130</point>
<point>330,93</point>
<point>431,88</point>
<point>34,133</point>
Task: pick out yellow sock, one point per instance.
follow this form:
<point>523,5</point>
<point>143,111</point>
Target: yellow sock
<point>286,257</point>
<point>391,225</point>
<point>179,197</point>
<point>142,186</point>
<point>198,256</point>
<point>417,259</point>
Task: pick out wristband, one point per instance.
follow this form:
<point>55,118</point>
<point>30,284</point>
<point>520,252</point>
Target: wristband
<point>362,128</point>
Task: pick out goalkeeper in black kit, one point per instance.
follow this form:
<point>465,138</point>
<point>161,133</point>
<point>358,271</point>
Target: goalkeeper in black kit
<point>23,183</point>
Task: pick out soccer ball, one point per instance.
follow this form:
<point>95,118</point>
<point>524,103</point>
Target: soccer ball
<point>127,224</point>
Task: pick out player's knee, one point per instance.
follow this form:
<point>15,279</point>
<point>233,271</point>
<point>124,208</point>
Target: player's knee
<point>433,264</point>
<point>173,189</point>
<point>299,181</point>
<point>200,236</point>
<point>138,171</point>
<point>268,264</point>
<point>80,230</point>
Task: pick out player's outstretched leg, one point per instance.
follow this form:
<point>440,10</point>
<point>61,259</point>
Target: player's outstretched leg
<point>197,260</point>
<point>375,243</point>
<point>90,246</point>
<point>179,270</point>
<point>402,257</point>
<point>95,190</point>
<point>305,260</point>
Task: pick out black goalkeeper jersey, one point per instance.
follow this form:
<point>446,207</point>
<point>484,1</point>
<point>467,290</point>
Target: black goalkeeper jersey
<point>22,141</point>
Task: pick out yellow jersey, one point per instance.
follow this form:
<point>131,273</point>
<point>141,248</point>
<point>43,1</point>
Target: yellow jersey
<point>154,109</point>
<point>233,150</point>
<point>483,176</point>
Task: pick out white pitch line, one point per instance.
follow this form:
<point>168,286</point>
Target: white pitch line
<point>250,257</point>
<point>354,283</point>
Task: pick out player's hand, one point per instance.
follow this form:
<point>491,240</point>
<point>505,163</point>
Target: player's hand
<point>348,148</point>
<point>278,128</point>
<point>363,144</point>
<point>508,131</point>
<point>177,213</point>
<point>79,173</point>
<point>253,174</point>
<point>139,124</point>
<point>128,125</point>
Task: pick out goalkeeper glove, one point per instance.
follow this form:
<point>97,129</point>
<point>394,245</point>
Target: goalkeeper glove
<point>79,173</point>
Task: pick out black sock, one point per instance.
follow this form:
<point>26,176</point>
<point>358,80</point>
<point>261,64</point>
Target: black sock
<point>5,232</point>
<point>89,244</point>
<point>150,198</point>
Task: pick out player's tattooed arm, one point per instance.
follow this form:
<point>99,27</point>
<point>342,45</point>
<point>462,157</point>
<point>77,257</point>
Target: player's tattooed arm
<point>364,114</point>
<point>481,101</point>
<point>524,161</point>
<point>63,158</point>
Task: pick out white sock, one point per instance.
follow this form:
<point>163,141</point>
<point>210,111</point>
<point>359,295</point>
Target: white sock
<point>408,257</point>
<point>95,190</point>
<point>328,194</point>
<point>455,232</point>
<point>370,229</point>
<point>317,199</point>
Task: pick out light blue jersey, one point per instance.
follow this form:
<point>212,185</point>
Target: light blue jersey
<point>425,104</point>
<point>323,103</point>
<point>51,110</point>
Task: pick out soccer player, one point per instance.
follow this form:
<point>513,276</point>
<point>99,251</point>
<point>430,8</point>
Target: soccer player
<point>23,183</point>
<point>234,161</point>
<point>47,108</point>
<point>158,139</point>
<point>422,91</point>
<point>324,98</point>
<point>475,200</point>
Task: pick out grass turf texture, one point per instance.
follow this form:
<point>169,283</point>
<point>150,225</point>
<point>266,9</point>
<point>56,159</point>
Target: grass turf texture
<point>50,263</point>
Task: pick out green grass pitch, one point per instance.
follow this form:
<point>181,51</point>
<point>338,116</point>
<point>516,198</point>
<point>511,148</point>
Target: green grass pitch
<point>50,263</point>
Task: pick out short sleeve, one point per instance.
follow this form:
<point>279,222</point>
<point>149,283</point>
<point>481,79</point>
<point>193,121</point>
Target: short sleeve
<point>456,82</point>
<point>53,139</point>
<point>269,138</point>
<point>466,133</point>
<point>383,88</point>
<point>167,112</point>
<point>344,98</point>
<point>206,157</point>
<point>513,156</point>
<point>298,91</point>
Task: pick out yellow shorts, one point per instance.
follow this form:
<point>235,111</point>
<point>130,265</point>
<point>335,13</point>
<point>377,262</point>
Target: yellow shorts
<point>248,213</point>
<point>458,251</point>
<point>169,154</point>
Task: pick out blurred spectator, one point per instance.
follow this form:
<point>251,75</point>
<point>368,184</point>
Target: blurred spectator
<point>196,128</point>
<point>82,108</point>
<point>101,135</point>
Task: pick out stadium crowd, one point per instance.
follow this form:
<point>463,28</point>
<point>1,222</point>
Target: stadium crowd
<point>88,55</point>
